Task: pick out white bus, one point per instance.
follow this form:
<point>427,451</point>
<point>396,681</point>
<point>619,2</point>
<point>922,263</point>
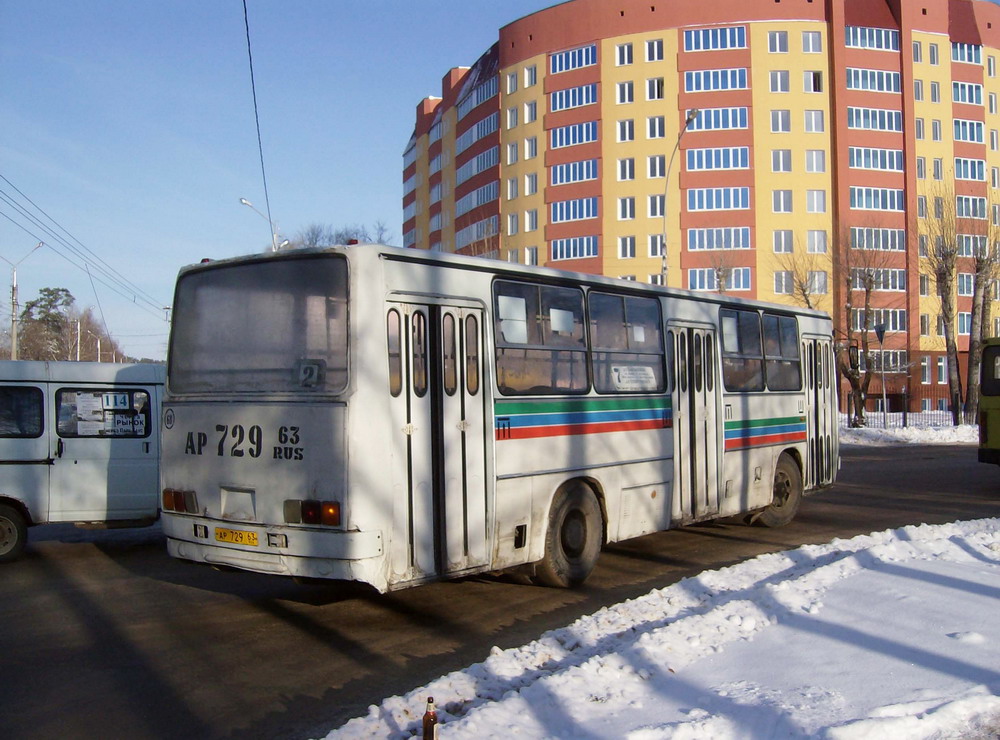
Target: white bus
<point>79,442</point>
<point>393,416</point>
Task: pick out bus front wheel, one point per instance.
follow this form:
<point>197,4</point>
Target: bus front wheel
<point>573,539</point>
<point>787,494</point>
<point>13,533</point>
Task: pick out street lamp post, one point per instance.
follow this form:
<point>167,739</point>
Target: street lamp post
<point>274,230</point>
<point>13,297</point>
<point>692,114</point>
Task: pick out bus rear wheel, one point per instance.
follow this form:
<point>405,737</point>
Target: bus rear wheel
<point>13,533</point>
<point>787,494</point>
<point>573,539</point>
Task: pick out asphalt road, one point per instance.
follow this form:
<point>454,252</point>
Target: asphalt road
<point>103,635</point>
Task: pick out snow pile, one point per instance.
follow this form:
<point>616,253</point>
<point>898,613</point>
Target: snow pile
<point>921,435</point>
<point>893,634</point>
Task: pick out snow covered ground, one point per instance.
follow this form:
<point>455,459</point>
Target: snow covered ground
<point>890,635</point>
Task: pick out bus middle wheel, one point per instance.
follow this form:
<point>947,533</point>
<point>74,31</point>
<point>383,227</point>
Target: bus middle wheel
<point>573,539</point>
<point>787,494</point>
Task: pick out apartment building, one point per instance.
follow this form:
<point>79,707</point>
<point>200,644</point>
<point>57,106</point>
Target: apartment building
<point>785,150</point>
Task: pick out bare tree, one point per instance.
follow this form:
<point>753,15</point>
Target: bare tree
<point>325,235</point>
<point>860,267</point>
<point>985,259</point>
<point>806,288</point>
<point>941,225</point>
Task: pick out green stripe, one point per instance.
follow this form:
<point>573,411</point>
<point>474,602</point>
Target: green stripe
<point>549,406</point>
<point>750,423</point>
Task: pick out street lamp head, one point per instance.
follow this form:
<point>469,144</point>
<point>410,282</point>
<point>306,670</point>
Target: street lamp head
<point>245,202</point>
<point>692,114</point>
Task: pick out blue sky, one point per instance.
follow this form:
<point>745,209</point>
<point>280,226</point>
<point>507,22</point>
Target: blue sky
<point>131,124</point>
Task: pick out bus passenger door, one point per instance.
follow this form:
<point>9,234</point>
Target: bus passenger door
<point>439,444</point>
<point>696,438</point>
<point>817,358</point>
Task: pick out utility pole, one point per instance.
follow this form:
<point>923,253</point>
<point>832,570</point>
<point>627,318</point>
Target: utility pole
<point>13,298</point>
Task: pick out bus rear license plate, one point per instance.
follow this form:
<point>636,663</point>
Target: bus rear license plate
<point>236,537</point>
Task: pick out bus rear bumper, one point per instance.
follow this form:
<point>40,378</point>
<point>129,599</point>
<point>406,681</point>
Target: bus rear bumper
<point>332,554</point>
<point>987,455</point>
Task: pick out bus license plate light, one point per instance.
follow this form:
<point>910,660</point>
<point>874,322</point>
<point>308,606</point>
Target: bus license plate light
<point>236,537</point>
<point>277,540</point>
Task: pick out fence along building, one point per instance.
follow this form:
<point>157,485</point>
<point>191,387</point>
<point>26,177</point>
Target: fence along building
<point>832,138</point>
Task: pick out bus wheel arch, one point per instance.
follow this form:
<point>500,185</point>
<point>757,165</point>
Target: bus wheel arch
<point>574,535</point>
<point>787,491</point>
<point>13,530</point>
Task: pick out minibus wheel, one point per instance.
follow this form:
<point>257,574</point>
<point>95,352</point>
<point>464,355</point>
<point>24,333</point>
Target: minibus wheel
<point>573,538</point>
<point>13,533</point>
<point>787,494</point>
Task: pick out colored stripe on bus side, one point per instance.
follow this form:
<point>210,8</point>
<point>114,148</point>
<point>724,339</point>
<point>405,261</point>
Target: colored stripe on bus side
<point>763,432</point>
<point>547,418</point>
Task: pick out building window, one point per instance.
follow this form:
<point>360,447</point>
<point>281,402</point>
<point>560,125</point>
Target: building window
<point>531,220</point>
<point>654,88</point>
<point>625,93</point>
<point>564,61</point>
<point>814,121</point>
<point>781,160</point>
<point>777,42</point>
<point>654,244</point>
<point>781,121</point>
<point>781,201</point>
<point>512,224</point>
<point>623,55</point>
<point>815,201</point>
<point>626,130</point>
<point>925,285</point>
<point>812,81</point>
<point>512,188</point>
<point>707,80</point>
<point>966,281</point>
<point>935,92</point>
<point>655,128</point>
<point>654,206</point>
<point>918,52</point>
<point>512,83</point>
<point>656,166</point>
<point>626,209</point>
<point>918,89</point>
<point>921,168</point>
<point>530,111</point>
<point>531,147</point>
<point>925,330</point>
<point>581,171</point>
<point>707,39</point>
<point>654,50</point>
<point>783,282</point>
<point>816,241</point>
<point>626,169</point>
<point>530,76</point>
<point>936,130</point>
<point>812,42</point>
<point>531,183</point>
<point>918,128</point>
<point>815,160</point>
<point>783,241</point>
<point>933,50</point>
<point>512,149</point>
<point>938,168</point>
<point>579,209</point>
<point>531,256</point>
<point>817,284</point>
<point>779,81</point>
<point>626,247</point>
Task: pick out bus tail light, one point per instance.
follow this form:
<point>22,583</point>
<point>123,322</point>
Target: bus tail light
<point>182,502</point>
<point>326,513</point>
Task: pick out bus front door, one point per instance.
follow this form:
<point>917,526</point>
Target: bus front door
<point>439,446</point>
<point>695,408</point>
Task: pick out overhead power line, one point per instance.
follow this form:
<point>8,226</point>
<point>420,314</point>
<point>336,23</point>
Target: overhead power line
<point>36,222</point>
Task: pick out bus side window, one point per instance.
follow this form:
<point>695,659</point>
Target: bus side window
<point>625,336</point>
<point>742,356</point>
<point>472,355</point>
<point>419,349</point>
<point>541,344</point>
<point>781,349</point>
<point>393,337</point>
<point>20,411</point>
<point>450,354</point>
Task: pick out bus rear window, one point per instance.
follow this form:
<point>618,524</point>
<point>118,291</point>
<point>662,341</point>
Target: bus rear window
<point>990,371</point>
<point>272,326</point>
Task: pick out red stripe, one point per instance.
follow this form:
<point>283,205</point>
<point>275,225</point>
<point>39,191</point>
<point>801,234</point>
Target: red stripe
<point>565,430</point>
<point>764,439</point>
